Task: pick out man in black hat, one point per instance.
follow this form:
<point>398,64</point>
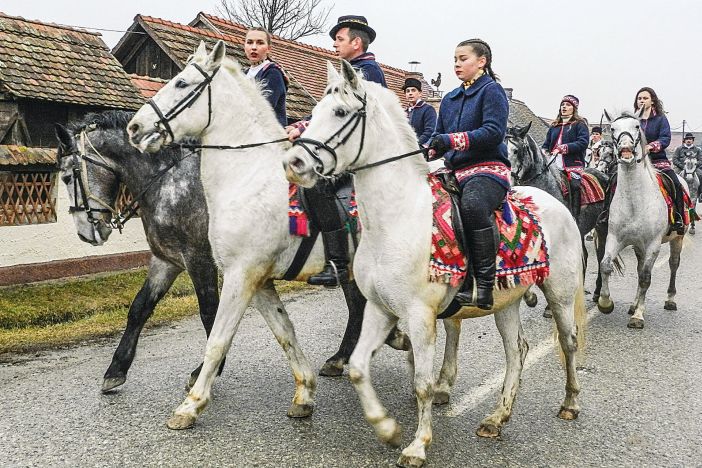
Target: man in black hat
<point>422,116</point>
<point>592,154</point>
<point>351,35</point>
<point>688,149</point>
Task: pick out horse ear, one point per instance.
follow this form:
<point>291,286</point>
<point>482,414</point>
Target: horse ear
<point>606,115</point>
<point>523,131</point>
<point>63,136</point>
<point>332,74</point>
<point>349,74</point>
<point>201,51</point>
<point>216,56</point>
<point>640,112</point>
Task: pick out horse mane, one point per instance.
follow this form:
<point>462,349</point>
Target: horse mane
<point>388,104</point>
<point>106,120</point>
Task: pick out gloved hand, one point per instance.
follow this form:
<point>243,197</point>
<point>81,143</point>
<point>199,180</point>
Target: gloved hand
<point>440,144</point>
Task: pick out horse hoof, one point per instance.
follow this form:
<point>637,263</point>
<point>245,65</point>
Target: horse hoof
<point>178,422</point>
<point>635,323</point>
<point>632,309</point>
<point>568,414</point>
<point>111,383</point>
<point>532,300</point>
<point>441,397</point>
<point>670,305</point>
<point>489,431</point>
<point>407,461</point>
<point>605,309</point>
<point>400,341</point>
<point>547,314</point>
<point>692,231</point>
<point>331,369</point>
<point>300,411</point>
<point>389,432</point>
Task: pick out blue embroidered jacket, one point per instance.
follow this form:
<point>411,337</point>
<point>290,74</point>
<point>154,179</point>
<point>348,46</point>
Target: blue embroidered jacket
<point>575,137</point>
<point>422,117</point>
<point>275,89</point>
<point>475,119</point>
<point>369,67</point>
<point>657,130</point>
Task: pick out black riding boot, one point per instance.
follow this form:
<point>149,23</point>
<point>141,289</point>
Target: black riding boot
<point>336,252</point>
<point>482,252</point>
<point>678,209</point>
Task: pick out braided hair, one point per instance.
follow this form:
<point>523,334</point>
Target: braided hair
<point>481,49</point>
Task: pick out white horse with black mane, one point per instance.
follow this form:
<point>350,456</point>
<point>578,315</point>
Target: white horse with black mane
<point>391,264</point>
<point>638,217</point>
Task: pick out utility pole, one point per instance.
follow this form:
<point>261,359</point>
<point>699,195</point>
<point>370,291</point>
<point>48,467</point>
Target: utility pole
<point>683,131</point>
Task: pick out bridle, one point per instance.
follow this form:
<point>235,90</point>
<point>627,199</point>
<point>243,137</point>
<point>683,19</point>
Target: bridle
<point>358,117</point>
<point>80,180</point>
<point>163,125</point>
<point>637,142</point>
<point>523,147</point>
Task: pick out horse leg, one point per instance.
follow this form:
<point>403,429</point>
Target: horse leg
<point>203,274</point>
<point>516,348</point>
<point>449,367</point>
<point>674,262</point>
<point>376,325</point>
<point>271,307</point>
<point>422,331</point>
<point>601,236</point>
<point>645,267</point>
<point>604,302</point>
<point>355,302</point>
<point>158,281</point>
<point>237,291</point>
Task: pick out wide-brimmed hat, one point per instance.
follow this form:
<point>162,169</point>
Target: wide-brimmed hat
<point>412,83</point>
<point>689,136</point>
<point>353,22</point>
<point>572,100</point>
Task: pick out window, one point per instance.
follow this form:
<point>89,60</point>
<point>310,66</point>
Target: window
<point>27,198</point>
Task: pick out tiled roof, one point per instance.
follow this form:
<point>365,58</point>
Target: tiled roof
<point>60,64</point>
<point>307,63</point>
<point>520,115</point>
<point>147,85</point>
<point>12,155</point>
<point>179,41</point>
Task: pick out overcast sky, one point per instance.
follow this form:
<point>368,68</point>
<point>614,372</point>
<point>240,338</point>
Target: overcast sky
<point>602,51</point>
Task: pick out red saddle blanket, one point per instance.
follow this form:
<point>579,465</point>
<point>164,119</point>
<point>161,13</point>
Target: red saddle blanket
<point>590,189</point>
<point>522,256</point>
<point>299,221</point>
<point>689,212</point>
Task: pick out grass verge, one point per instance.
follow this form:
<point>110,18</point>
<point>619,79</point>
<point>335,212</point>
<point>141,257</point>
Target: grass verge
<point>45,316</point>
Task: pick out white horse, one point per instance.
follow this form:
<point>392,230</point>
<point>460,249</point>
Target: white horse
<point>638,217</point>
<point>247,201</point>
<point>689,173</point>
<point>391,264</point>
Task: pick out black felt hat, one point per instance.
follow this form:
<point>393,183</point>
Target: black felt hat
<point>597,130</point>
<point>689,136</point>
<point>354,22</point>
<point>412,83</point>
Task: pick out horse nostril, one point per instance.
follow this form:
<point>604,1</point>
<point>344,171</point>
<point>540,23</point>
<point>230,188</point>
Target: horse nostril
<point>297,164</point>
<point>133,128</point>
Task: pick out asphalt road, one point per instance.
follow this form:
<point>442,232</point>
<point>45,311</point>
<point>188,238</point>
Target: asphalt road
<point>640,395</point>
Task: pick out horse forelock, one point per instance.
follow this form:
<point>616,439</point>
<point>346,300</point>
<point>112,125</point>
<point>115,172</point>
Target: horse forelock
<point>106,120</point>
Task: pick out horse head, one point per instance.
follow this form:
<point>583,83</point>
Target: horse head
<point>352,123</point>
<point>690,168</point>
<point>160,121</point>
<point>607,160</point>
<point>91,181</point>
<point>628,137</point>
<point>518,151</point>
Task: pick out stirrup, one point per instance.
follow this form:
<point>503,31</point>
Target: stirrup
<point>323,278</point>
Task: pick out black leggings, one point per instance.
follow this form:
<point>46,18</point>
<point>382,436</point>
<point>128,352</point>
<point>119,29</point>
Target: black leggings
<point>480,197</point>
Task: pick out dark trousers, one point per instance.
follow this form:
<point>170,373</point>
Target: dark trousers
<point>323,207</point>
<point>678,195</point>
<point>480,197</point>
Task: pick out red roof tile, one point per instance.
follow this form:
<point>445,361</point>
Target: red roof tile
<point>147,85</point>
<point>13,155</point>
<point>61,64</point>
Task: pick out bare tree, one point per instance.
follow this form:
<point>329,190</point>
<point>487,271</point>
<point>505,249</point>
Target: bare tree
<point>291,19</point>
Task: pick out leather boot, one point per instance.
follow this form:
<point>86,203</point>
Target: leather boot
<point>482,255</point>
<point>678,209</point>
<point>336,253</point>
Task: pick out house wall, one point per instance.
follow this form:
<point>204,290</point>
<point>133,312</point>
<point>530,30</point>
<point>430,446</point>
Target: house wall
<point>41,116</point>
<point>58,241</point>
<point>150,60</point>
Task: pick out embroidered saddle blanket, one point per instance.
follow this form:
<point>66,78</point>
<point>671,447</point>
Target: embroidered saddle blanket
<point>522,254</point>
<point>299,219</point>
<point>591,191</point>
<point>666,186</point>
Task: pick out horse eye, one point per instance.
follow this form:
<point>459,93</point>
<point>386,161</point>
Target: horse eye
<point>66,179</point>
<point>340,112</point>
<point>181,83</point>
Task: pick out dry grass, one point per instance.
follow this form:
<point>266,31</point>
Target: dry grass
<point>45,316</point>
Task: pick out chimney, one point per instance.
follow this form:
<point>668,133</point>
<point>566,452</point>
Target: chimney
<point>509,92</point>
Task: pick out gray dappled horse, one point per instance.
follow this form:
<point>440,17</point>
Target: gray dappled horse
<point>689,173</point>
<point>175,221</point>
<point>638,217</point>
<point>530,167</point>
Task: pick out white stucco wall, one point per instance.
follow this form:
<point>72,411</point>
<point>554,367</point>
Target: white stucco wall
<point>59,241</point>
